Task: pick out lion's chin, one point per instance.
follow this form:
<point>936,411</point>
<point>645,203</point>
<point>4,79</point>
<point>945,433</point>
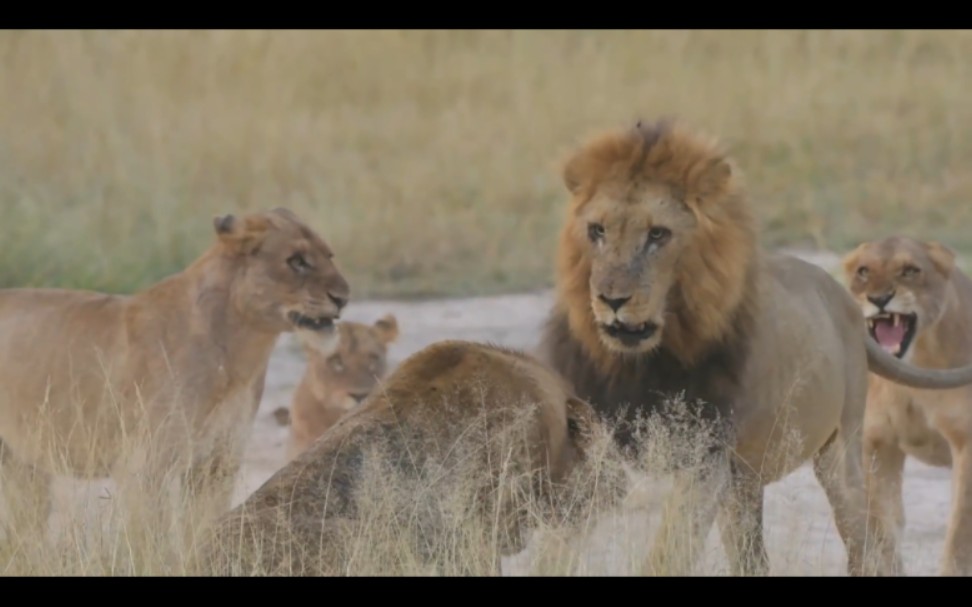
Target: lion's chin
<point>630,339</point>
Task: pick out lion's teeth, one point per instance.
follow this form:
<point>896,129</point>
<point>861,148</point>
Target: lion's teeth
<point>896,319</point>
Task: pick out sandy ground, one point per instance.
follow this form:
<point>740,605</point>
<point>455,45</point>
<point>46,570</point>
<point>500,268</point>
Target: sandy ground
<point>801,536</point>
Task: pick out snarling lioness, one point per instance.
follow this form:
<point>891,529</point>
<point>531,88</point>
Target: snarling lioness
<point>918,307</point>
<point>662,291</point>
<point>167,379</point>
<point>463,444</point>
<point>336,382</point>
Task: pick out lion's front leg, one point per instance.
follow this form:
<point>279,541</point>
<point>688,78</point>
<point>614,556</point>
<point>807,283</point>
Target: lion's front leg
<point>741,524</point>
<point>208,485</point>
<point>957,559</point>
<point>687,518</point>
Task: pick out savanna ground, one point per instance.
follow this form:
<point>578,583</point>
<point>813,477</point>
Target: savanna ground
<point>428,161</point>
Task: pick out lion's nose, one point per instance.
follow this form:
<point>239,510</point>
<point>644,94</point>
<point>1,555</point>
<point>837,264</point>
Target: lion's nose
<point>614,303</point>
<point>359,397</point>
<point>881,300</point>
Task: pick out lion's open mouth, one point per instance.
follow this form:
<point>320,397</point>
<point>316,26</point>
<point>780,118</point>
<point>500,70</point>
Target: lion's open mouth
<point>893,331</point>
<point>630,335</point>
<point>314,324</point>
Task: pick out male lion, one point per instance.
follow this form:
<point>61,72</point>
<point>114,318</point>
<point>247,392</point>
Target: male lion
<point>334,383</point>
<point>446,447</point>
<point>662,290</point>
<point>164,380</point>
<point>918,306</point>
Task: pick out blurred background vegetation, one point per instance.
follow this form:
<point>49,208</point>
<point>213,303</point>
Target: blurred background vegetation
<point>428,159</point>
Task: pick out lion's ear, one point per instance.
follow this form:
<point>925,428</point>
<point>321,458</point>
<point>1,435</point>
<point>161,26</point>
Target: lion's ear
<point>241,235</point>
<point>942,256</point>
<point>709,180</point>
<point>387,328</point>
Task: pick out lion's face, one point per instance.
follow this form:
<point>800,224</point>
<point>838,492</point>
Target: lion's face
<point>351,372</point>
<point>900,285</point>
<point>633,238</point>
<point>288,279</point>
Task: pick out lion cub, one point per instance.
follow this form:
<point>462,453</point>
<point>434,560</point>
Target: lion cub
<point>918,306</point>
<point>333,385</point>
<point>446,450</point>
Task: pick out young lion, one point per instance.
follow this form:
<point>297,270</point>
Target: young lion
<point>334,384</point>
<point>918,306</point>
<point>165,380</point>
<point>450,441</point>
<point>662,292</point>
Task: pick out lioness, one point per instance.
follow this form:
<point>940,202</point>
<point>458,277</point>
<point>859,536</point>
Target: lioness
<point>166,379</point>
<point>663,290</point>
<point>334,383</point>
<point>450,440</point>
<point>918,307</point>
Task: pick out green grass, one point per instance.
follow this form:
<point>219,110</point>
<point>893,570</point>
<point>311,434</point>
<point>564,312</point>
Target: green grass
<point>428,160</point>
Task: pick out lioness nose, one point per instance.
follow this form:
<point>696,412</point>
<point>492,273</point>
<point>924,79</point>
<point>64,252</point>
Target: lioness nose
<point>339,300</point>
<point>881,300</point>
<point>359,397</point>
<point>616,303</point>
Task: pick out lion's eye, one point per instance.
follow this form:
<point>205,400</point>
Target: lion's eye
<point>297,262</point>
<point>910,270</point>
<point>862,271</point>
<point>658,234</point>
<point>336,363</point>
<point>595,231</point>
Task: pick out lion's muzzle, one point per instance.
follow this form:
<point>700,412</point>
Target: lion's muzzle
<point>630,335</point>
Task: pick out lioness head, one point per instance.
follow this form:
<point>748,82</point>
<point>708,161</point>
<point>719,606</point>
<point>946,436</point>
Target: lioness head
<point>349,374</point>
<point>654,239</point>
<point>287,276</point>
<point>900,285</point>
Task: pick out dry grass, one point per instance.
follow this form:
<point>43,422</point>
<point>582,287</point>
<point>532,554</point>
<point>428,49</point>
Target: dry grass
<point>423,520</point>
<point>116,147</point>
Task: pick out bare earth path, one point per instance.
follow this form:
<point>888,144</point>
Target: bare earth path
<point>801,536</point>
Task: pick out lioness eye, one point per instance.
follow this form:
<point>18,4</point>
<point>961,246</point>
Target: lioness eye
<point>297,262</point>
<point>336,363</point>
<point>911,271</point>
<point>595,231</point>
<point>862,272</point>
<point>658,234</point>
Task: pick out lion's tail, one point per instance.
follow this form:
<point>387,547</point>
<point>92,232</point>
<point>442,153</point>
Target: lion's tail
<point>889,367</point>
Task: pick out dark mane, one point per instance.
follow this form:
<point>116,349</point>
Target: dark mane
<point>641,385</point>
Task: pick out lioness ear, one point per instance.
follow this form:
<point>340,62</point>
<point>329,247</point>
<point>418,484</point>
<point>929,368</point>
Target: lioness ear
<point>242,235</point>
<point>223,224</point>
<point>580,421</point>
<point>387,328</point>
<point>942,256</point>
<point>285,212</point>
<point>574,171</point>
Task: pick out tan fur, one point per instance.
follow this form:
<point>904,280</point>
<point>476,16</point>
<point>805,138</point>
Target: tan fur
<point>450,403</point>
<point>935,427</point>
<point>334,384</point>
<point>165,380</point>
<point>659,220</point>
